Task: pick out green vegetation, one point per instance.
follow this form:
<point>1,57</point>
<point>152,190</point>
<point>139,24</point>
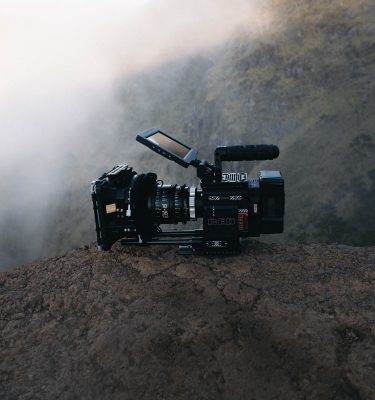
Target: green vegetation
<point>307,85</point>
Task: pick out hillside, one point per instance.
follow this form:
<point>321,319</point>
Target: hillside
<point>280,321</point>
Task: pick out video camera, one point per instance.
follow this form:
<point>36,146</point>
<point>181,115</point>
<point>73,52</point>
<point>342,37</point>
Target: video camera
<point>131,206</point>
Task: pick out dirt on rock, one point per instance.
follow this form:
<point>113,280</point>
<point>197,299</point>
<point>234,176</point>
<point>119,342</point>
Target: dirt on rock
<point>277,322</point>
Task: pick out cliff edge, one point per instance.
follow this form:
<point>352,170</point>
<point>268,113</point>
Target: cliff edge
<point>278,322</point>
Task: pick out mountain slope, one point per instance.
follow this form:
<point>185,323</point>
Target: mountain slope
<point>306,85</point>
<point>278,321</point>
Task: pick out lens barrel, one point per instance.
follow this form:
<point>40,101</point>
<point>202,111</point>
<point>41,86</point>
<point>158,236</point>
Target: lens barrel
<point>171,204</point>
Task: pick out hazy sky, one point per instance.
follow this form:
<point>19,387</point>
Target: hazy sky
<point>59,64</point>
<point>78,41</point>
<point>52,54</point>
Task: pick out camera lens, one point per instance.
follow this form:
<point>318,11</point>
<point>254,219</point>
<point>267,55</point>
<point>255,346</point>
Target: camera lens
<point>171,204</point>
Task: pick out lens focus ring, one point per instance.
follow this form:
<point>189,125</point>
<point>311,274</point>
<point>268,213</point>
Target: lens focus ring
<point>171,204</point>
<point>192,214</point>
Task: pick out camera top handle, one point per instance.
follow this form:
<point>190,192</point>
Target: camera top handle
<point>245,153</point>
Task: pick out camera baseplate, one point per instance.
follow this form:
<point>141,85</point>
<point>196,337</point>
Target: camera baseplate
<point>191,242</point>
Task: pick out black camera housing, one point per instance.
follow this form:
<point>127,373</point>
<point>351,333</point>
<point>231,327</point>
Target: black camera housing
<point>131,206</point>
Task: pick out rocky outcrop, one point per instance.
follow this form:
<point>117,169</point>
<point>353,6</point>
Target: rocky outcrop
<point>278,322</point>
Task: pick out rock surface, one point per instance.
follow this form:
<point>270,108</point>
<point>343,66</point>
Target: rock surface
<point>278,322</point>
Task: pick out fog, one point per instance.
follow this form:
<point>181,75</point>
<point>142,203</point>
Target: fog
<point>60,67</point>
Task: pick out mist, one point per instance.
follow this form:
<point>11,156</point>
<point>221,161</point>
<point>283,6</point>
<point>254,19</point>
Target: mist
<point>61,65</point>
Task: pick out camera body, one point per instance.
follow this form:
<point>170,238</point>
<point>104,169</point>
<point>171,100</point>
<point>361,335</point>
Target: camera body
<point>131,206</point>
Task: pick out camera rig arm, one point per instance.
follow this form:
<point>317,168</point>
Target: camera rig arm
<point>206,172</point>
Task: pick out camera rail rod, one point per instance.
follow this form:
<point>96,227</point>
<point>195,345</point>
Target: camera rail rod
<point>187,237</point>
